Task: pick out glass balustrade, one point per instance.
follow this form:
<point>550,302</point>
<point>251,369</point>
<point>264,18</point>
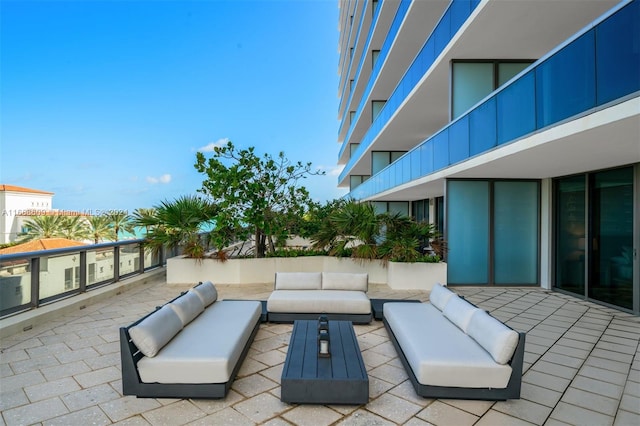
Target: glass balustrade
<point>600,66</point>
<point>30,279</point>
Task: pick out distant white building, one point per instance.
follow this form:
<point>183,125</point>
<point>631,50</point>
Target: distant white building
<point>16,203</point>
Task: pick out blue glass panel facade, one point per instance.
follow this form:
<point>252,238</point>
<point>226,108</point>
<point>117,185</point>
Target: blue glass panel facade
<point>459,140</point>
<point>441,150</point>
<point>482,128</point>
<point>618,69</point>
<point>565,83</point>
<point>516,109</point>
<point>467,261</point>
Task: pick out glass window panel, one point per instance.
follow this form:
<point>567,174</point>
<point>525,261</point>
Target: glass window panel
<point>471,83</point>
<point>374,57</point>
<point>59,277</point>
<point>352,148</point>
<point>441,150</point>
<point>426,158</point>
<point>102,269</point>
<point>515,228</point>
<point>395,155</point>
<point>379,206</point>
<point>400,207</point>
<point>618,54</point>
<point>379,160</point>
<point>482,127</point>
<point>516,108</point>
<point>468,232</point>
<point>415,159</point>
<point>376,107</point>
<point>354,182</point>
<point>611,275</point>
<point>565,83</point>
<point>508,70</point>
<point>459,140</point>
<point>570,241</point>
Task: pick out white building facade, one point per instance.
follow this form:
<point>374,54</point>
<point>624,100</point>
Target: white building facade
<point>16,203</point>
<point>512,125</point>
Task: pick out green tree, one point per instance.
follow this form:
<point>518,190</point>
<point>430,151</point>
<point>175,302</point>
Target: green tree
<point>140,214</point>
<point>99,228</point>
<point>178,223</point>
<point>38,227</point>
<point>255,195</point>
<point>120,221</point>
<point>74,228</point>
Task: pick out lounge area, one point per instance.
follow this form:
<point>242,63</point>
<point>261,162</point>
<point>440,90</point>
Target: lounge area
<point>581,366</point>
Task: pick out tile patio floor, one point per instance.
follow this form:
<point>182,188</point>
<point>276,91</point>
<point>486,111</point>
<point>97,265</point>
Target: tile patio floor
<point>582,367</point>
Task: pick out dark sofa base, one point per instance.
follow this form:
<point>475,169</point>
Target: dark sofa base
<point>132,385</point>
<point>288,317</point>
<point>512,391</point>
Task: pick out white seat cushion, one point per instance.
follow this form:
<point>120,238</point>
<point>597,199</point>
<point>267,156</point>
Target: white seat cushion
<point>459,312</point>
<point>156,330</point>
<point>207,350</point>
<point>495,337</point>
<point>207,292</point>
<point>439,353</point>
<point>344,281</point>
<point>319,301</point>
<point>298,281</point>
<point>439,296</point>
<point>188,306</point>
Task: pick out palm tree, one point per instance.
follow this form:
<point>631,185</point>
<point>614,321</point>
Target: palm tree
<point>140,215</point>
<point>178,223</point>
<point>74,227</point>
<point>120,222</point>
<point>38,227</point>
<point>99,228</point>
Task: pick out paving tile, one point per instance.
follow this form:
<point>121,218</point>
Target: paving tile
<point>64,370</point>
<point>226,417</point>
<point>540,395</point>
<point>312,415</point>
<point>555,369</point>
<point>386,372</point>
<point>278,421</point>
<point>261,407</point>
<point>50,389</point>
<point>496,418</point>
<point>34,413</point>
<point>632,388</point>
<point>393,408</point>
<point>13,355</point>
<point>18,381</point>
<point>121,408</point>
<point>405,390</point>
<point>569,358</point>
<point>210,406</point>
<point>32,364</point>
<point>608,364</point>
<point>579,416</point>
<point>525,410</point>
<point>274,373</point>
<point>364,418</point>
<point>546,380</point>
<point>378,386</point>
<point>12,399</point>
<point>597,386</point>
<point>630,403</point>
<point>87,397</point>
<point>88,416</point>
<point>177,413</point>
<point>373,359</point>
<point>625,418</point>
<point>270,358</point>
<point>252,385</point>
<point>440,413</point>
<point>591,401</point>
<point>97,377</point>
<point>250,366</point>
<point>602,374</point>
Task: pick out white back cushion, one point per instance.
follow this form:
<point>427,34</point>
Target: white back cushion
<point>298,281</point>
<point>439,296</point>
<point>207,292</point>
<point>156,330</point>
<point>495,337</point>
<point>188,306</point>
<point>344,281</point>
<point>459,312</point>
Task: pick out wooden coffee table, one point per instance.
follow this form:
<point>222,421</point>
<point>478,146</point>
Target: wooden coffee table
<point>309,379</point>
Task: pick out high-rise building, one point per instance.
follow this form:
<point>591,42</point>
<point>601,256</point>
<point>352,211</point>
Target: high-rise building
<point>513,125</point>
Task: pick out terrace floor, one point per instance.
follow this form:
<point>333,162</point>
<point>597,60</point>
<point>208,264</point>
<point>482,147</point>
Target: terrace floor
<point>582,367</point>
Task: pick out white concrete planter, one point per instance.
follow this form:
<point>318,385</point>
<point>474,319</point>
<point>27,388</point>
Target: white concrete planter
<point>182,270</point>
<point>416,276</point>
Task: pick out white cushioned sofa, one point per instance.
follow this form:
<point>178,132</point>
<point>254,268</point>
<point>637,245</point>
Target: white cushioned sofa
<point>191,347</point>
<point>305,295</point>
<point>452,349</point>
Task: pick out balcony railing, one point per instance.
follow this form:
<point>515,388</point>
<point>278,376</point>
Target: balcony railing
<point>452,20</point>
<point>599,66</point>
<point>28,280</point>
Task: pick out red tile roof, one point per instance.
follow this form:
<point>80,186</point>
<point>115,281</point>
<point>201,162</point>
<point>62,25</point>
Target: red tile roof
<point>42,244</point>
<point>14,188</point>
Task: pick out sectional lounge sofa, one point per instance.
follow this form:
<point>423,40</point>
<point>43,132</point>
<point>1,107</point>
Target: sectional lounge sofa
<point>452,349</point>
<point>191,347</point>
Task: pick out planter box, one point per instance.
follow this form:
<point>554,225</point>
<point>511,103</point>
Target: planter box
<point>416,276</point>
<point>182,270</point>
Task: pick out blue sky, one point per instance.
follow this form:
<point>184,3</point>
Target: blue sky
<point>105,103</point>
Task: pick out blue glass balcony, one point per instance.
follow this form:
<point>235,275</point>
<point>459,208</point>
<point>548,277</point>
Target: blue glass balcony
<point>454,17</point>
<point>599,66</point>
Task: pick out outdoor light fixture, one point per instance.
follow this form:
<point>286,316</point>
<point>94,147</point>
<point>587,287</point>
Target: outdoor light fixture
<point>323,337</point>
